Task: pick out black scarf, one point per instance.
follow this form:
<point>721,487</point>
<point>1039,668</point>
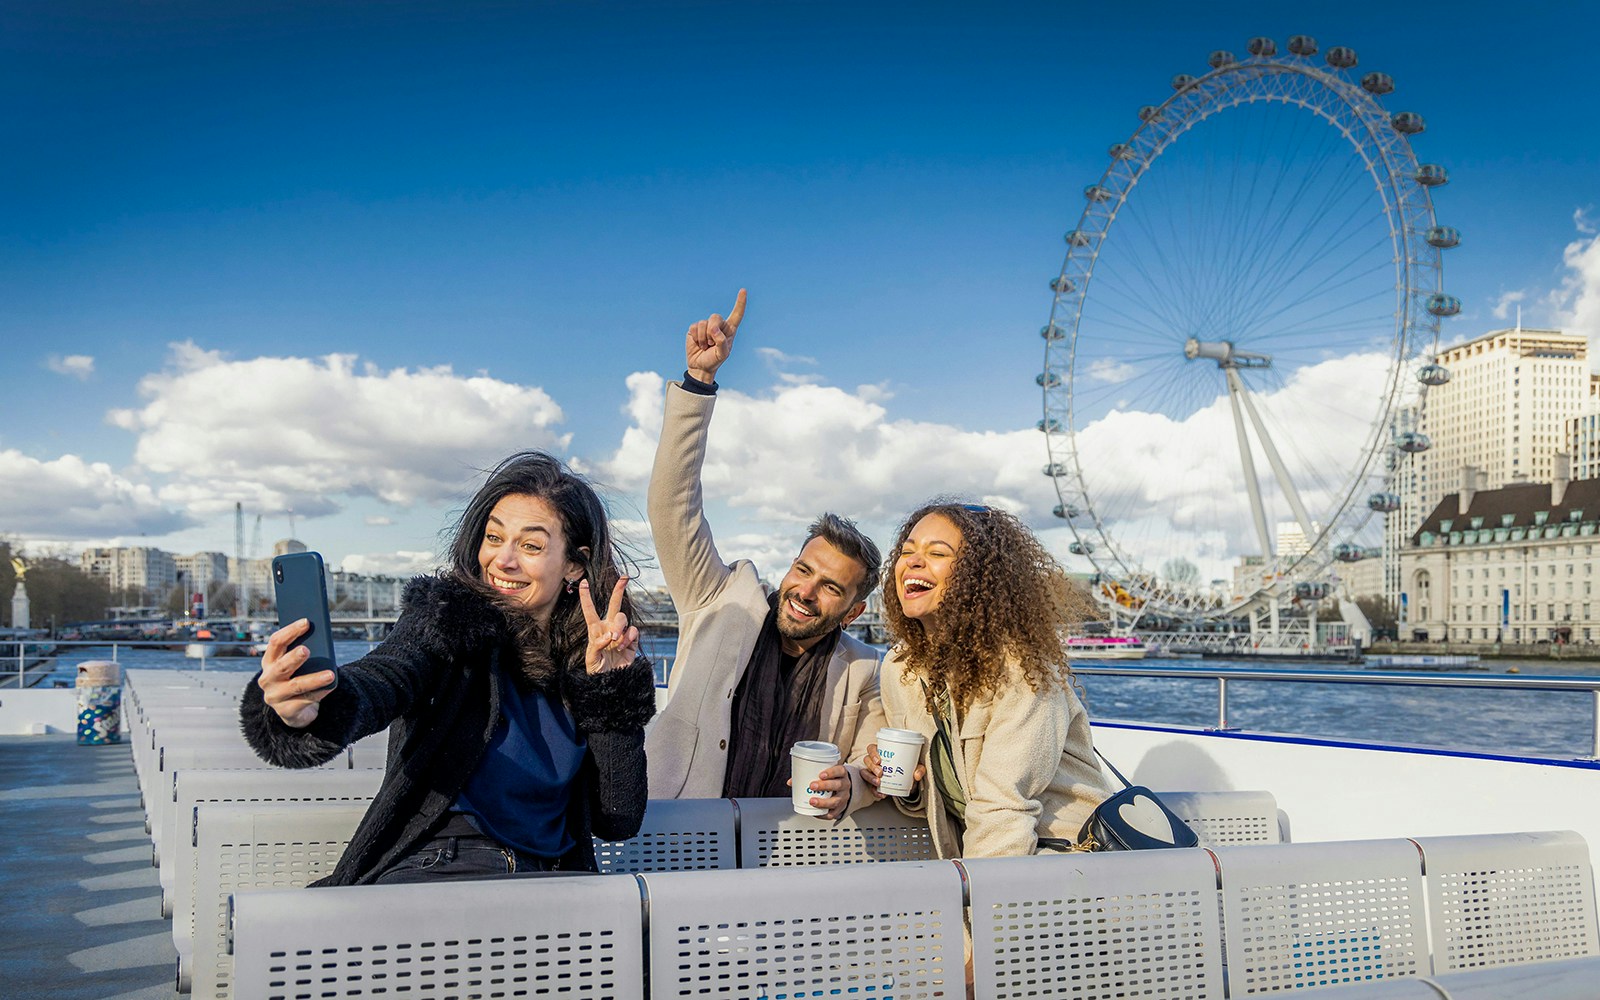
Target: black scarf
<point>777,703</point>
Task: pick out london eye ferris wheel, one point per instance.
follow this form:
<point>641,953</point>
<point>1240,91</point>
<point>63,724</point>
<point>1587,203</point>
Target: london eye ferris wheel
<point>1251,293</point>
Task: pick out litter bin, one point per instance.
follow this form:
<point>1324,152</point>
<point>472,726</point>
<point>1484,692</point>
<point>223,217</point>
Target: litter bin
<point>99,703</point>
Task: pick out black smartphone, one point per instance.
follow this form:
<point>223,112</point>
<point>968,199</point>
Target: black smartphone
<point>302,591</point>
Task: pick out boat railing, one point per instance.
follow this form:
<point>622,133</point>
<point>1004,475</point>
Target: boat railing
<point>1387,678</point>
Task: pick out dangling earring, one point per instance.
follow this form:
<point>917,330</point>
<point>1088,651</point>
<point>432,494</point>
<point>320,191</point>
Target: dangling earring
<point>572,586</point>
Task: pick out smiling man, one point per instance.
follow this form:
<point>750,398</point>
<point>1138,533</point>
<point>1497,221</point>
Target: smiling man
<point>754,672</point>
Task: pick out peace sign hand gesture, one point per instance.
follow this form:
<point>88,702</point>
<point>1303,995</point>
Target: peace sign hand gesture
<point>709,342</point>
<point>613,643</point>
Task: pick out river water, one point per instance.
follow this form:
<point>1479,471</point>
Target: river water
<point>1541,723</point>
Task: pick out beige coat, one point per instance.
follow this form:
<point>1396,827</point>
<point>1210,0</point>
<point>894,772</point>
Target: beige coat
<point>721,609</point>
<point>1026,762</point>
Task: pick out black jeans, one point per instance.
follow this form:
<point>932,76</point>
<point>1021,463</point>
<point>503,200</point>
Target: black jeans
<point>462,857</point>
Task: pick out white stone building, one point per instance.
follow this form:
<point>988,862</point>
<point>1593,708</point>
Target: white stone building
<point>150,571</point>
<point>1514,564</point>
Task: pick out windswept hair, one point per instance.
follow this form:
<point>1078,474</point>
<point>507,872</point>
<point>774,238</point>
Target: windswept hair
<point>583,522</point>
<point>842,534</point>
<point>1007,599</point>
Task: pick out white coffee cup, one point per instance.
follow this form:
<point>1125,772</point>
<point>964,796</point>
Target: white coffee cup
<point>899,750</point>
<point>807,759</point>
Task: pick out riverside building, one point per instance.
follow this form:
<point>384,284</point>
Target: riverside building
<point>1513,564</point>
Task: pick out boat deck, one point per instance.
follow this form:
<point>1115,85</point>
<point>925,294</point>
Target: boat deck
<point>82,901</point>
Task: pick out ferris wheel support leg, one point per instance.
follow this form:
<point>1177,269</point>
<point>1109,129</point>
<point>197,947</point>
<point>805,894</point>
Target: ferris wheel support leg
<point>1251,485</point>
<point>1279,470</point>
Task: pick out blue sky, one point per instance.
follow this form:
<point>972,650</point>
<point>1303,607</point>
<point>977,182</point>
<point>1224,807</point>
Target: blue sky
<point>540,197</point>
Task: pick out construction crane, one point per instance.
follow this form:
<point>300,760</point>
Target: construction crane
<point>243,559</point>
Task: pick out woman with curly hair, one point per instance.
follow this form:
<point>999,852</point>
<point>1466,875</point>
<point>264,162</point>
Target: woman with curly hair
<point>980,614</point>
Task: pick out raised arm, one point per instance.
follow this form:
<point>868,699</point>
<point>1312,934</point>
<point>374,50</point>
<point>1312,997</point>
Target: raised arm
<point>694,571</point>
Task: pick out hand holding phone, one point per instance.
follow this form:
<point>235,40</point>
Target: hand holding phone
<point>302,592</point>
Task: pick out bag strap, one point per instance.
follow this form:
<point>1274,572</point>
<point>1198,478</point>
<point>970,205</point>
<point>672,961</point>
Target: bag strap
<point>1125,782</point>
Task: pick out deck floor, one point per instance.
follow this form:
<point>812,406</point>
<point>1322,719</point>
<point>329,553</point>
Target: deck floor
<point>82,903</point>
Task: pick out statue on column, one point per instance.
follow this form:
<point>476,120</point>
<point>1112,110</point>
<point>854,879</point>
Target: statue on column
<point>19,597</point>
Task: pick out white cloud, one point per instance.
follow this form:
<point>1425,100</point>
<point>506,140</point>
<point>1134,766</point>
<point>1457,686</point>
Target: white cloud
<point>70,498</point>
<point>378,521</point>
<point>78,366</point>
<point>1576,303</point>
<point>284,433</point>
<point>1582,221</point>
<point>1165,485</point>
<point>1502,305</point>
<point>397,564</point>
<point>1112,371</point>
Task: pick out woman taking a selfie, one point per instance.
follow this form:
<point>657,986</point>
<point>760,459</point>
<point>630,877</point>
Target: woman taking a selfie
<point>980,615</point>
<point>515,710</point>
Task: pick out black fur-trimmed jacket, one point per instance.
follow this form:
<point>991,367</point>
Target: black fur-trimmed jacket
<point>436,684</point>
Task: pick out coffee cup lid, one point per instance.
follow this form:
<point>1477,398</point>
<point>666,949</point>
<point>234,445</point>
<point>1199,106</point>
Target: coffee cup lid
<point>815,750</point>
<point>900,735</point>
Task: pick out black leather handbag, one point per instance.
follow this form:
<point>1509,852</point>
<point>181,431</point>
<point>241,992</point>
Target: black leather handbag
<point>1134,819</point>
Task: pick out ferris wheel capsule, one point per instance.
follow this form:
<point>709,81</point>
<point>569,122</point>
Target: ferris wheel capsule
<point>1432,374</point>
<point>1121,151</point>
<point>1050,425</point>
<point>1413,442</point>
<point>1443,237</point>
<point>1061,285</point>
<point>1077,238</point>
<point>1303,45</point>
<point>1221,58</point>
<point>1095,192</point>
<point>1064,510</point>
<point>1263,47</point>
<point>1311,591</point>
<point>1440,304</point>
<point>1181,81</point>
<point>1372,552</point>
<point>1376,83</point>
<point>1055,470</point>
<point>1081,548</point>
<point>1384,503</point>
<point>1432,175</point>
<point>1047,380</point>
<point>1052,332</point>
<point>1349,552</point>
<point>1341,57</point>
<point>1408,123</point>
<point>1150,113</point>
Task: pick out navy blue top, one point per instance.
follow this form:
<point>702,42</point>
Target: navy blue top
<point>520,791</point>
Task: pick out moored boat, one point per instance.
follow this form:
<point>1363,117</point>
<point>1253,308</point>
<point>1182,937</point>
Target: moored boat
<point>1106,647</point>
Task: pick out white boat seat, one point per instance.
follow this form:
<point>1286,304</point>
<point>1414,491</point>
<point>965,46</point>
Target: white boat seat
<point>869,931</point>
<point>676,835</point>
<point>1499,899</point>
<point>1317,914</point>
<point>1219,818</point>
<point>1112,924</point>
<point>773,835</point>
<point>573,936</point>
<point>242,847</point>
<point>194,788</point>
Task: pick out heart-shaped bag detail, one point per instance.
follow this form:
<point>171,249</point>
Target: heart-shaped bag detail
<point>1146,815</point>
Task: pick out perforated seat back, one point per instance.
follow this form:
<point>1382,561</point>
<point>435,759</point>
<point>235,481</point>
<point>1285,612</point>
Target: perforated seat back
<point>773,835</point>
<point>250,846</point>
<point>575,936</point>
<point>1316,914</point>
<point>867,931</point>
<point>1508,898</point>
<point>676,835</point>
<point>1220,818</point>
<point>1114,924</point>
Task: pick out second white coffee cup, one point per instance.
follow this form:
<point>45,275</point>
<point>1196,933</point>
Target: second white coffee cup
<point>899,750</point>
<point>807,759</point>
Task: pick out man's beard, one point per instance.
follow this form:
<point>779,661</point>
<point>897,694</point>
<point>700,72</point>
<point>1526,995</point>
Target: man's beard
<point>799,631</point>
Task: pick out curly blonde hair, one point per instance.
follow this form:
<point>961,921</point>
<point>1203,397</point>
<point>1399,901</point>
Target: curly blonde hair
<point>1007,599</point>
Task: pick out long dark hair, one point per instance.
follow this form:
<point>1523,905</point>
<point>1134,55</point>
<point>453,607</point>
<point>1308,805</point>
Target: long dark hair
<point>583,522</point>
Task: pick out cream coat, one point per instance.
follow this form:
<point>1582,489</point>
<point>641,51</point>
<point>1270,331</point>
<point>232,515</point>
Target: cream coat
<point>1026,762</point>
<point>721,608</point>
